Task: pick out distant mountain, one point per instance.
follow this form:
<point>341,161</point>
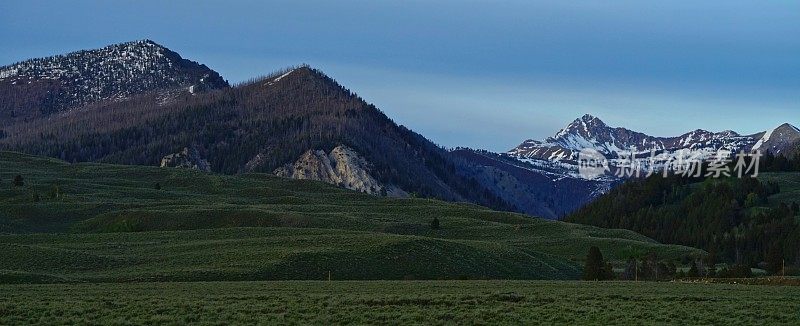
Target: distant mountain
<point>296,123</point>
<point>543,177</point>
<point>42,86</point>
<point>782,140</point>
<point>616,144</point>
<point>548,189</point>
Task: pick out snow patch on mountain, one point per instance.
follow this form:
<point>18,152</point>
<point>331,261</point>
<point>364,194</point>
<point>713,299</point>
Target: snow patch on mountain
<point>112,72</point>
<point>764,139</point>
<point>622,146</point>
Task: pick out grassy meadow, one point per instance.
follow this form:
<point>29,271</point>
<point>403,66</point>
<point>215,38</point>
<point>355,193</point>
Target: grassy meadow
<point>108,244</point>
<point>401,302</point>
<point>92,222</point>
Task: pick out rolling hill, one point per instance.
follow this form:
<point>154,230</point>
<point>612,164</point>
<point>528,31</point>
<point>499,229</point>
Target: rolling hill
<point>101,222</point>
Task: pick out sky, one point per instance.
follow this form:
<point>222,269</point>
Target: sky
<point>481,74</point>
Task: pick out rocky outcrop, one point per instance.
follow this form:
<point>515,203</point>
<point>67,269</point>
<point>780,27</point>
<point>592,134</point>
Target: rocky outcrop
<point>343,167</point>
<point>188,158</point>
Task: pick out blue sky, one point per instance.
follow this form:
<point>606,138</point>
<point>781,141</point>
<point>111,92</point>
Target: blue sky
<point>484,74</point>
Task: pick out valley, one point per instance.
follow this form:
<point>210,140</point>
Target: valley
<point>141,187</point>
<point>114,223</point>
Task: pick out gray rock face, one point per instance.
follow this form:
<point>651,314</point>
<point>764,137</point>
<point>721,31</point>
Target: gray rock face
<point>188,158</point>
<point>343,167</point>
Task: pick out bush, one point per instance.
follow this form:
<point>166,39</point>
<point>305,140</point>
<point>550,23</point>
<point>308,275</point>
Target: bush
<point>736,271</point>
<point>435,223</point>
<point>18,181</point>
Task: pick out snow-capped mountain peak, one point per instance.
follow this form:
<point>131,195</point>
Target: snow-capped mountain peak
<point>589,132</point>
<point>113,72</point>
<point>584,126</point>
<point>778,140</point>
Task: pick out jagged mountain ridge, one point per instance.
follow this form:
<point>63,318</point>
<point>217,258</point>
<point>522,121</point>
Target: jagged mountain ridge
<point>43,86</point>
<point>649,153</point>
<point>590,132</point>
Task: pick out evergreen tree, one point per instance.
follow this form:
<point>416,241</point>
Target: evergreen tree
<point>18,181</point>
<point>435,223</point>
<point>775,260</point>
<point>693,270</point>
<point>593,269</point>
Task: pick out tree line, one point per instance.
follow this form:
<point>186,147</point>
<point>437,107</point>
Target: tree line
<point>732,219</point>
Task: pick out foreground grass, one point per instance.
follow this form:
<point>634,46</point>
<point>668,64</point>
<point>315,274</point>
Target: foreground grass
<point>399,302</point>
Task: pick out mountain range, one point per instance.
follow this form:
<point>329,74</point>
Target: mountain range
<point>620,145</point>
<point>141,103</point>
<point>297,122</point>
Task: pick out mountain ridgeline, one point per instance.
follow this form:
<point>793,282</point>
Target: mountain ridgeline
<point>39,87</point>
<point>259,126</point>
<point>141,103</point>
<point>592,133</point>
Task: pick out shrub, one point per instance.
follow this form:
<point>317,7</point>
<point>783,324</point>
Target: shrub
<point>18,181</point>
<point>435,223</point>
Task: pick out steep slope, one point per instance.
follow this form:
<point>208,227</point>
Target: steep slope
<point>782,140</point>
<point>43,86</point>
<point>541,190</point>
<point>98,222</point>
<point>259,126</point>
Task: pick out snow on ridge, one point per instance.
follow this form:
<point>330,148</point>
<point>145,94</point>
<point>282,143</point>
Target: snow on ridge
<point>764,139</point>
<point>5,73</point>
<point>109,73</point>
<point>277,79</point>
<point>282,76</point>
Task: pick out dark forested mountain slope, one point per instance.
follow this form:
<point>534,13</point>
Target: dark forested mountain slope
<point>259,126</point>
<point>744,221</point>
<point>43,86</point>
<point>541,190</point>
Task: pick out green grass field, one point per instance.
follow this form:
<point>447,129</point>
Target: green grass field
<point>400,302</point>
<point>95,222</point>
